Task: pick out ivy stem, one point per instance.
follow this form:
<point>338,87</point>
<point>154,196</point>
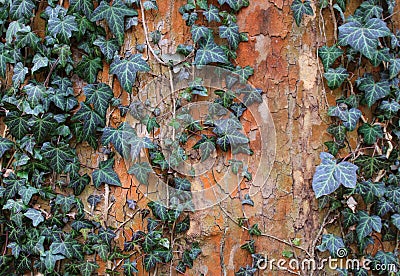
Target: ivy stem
<point>5,244</point>
<point>46,82</point>
<point>146,34</point>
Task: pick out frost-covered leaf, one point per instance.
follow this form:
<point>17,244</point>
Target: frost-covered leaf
<point>329,175</point>
<point>363,37</point>
<point>141,172</point>
<point>126,69</point>
<point>300,8</point>
<point>114,14</point>
<point>335,77</point>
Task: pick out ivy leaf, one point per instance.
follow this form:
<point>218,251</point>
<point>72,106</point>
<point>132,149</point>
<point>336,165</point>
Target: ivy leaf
<point>88,68</point>
<point>363,37</point>
<point>99,95</point>
<point>17,124</point>
<point>19,74</point>
<point>87,268</point>
<point>369,9</point>
<point>300,8</point>
<point>150,261</point>
<point>81,6</point>
<point>332,243</point>
<point>39,62</point>
<point>114,14</point>
<point>35,93</point>
<point>199,32</point>
<point>126,69</point>
<point>373,90</point>
<point>390,107</point>
<point>63,248</point>
<point>251,95</point>
<point>4,59</point>
<point>21,9</point>
<point>64,53</point>
<point>159,211</point>
<point>366,224</point>
<point>335,77</point>
<point>329,175</point>
<point>13,185</point>
<point>231,33</point>
<point>102,250</point>
<point>236,5</point>
<point>394,67</point>
<point>62,28</point>
<point>109,47</point>
<point>43,127</point>
<point>386,260</point>
<point>370,133</point>
<point>65,202</point>
<point>212,14</point>
<point>51,259</point>
<point>328,55</point>
<point>232,138</point>
<point>125,140</point>
<point>90,119</point>
<point>246,271</point>
<point>106,174</point>
<point>35,216</point>
<point>209,52</point>
<point>382,207</point>
<point>5,145</point>
<point>26,193</point>
<point>59,155</point>
<point>141,172</point>
<point>396,220</point>
<point>130,267</point>
<point>183,225</point>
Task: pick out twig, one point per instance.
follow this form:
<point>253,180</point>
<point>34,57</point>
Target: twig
<point>46,82</point>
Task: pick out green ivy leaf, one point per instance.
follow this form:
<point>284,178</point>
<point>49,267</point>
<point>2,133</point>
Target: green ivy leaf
<point>371,133</point>
<point>331,243</point>
<point>88,68</point>
<point>251,95</point>
<point>199,32</point>
<point>249,246</point>
<point>63,247</point>
<point>4,59</point>
<point>109,47</point>
<point>336,77</point>
<point>114,14</point>
<point>43,127</point>
<point>394,67</point>
<point>183,225</point>
<point>21,9</point>
<point>39,62</point>
<point>369,9</point>
<point>386,260</point>
<point>150,261</point>
<point>26,193</point>
<point>17,124</point>
<point>329,175</point>
<point>35,216</point>
<point>106,174</point>
<point>13,185</point>
<point>373,90</point>
<point>87,268</point>
<point>246,271</point>
<point>90,119</point>
<point>99,95</point>
<point>212,14</point>
<point>396,220</point>
<point>5,145</point>
<point>59,155</point>
<point>126,69</point>
<point>390,107</point>
<point>236,5</point>
<point>382,207</point>
<point>62,28</point>
<point>366,224</point>
<point>25,37</point>
<point>231,33</point>
<point>363,37</point>
<point>300,8</point>
<point>329,55</point>
<point>102,250</point>
<point>209,52</point>
<point>141,172</point>
<point>51,260</point>
<point>130,267</point>
<point>20,72</point>
<point>81,6</point>
<point>159,211</point>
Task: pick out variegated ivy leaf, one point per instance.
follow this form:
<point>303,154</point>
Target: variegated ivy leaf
<point>21,9</point>
<point>335,77</point>
<point>329,175</point>
<point>328,55</point>
<point>363,37</point>
<point>35,216</point>
<point>20,72</point>
<point>39,61</point>
<point>126,69</point>
<point>114,14</point>
<point>300,8</point>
